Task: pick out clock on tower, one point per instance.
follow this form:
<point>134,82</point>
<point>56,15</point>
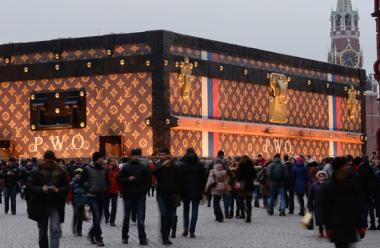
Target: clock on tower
<point>345,43</point>
<point>349,58</point>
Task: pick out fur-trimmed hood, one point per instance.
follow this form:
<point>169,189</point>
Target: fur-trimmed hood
<point>49,164</point>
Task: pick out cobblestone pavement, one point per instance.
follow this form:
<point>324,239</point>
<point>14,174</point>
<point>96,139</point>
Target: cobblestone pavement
<point>264,231</point>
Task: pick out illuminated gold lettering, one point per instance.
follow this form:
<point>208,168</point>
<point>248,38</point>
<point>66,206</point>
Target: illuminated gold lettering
<point>56,142</point>
<point>288,147</point>
<point>37,142</point>
<point>278,144</point>
<point>77,142</point>
<point>266,146</point>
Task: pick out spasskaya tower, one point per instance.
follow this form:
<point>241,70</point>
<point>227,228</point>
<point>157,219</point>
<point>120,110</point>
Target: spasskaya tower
<point>345,45</point>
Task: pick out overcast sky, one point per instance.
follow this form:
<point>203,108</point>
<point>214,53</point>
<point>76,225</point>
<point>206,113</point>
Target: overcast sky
<point>295,27</point>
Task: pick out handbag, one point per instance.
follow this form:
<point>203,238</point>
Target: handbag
<point>239,185</point>
<point>212,183</point>
<point>308,221</point>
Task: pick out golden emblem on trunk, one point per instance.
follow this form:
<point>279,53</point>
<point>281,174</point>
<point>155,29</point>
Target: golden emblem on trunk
<point>185,78</point>
<point>352,102</point>
<point>278,102</point>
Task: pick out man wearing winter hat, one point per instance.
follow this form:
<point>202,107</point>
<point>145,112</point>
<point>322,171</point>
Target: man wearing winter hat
<point>96,183</point>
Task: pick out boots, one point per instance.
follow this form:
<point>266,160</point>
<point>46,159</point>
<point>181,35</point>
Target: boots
<point>248,220</point>
<point>174,227</point>
<point>321,233</point>
<point>372,227</point>
<point>242,215</point>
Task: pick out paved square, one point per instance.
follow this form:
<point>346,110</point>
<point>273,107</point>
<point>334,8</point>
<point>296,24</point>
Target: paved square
<point>264,231</point>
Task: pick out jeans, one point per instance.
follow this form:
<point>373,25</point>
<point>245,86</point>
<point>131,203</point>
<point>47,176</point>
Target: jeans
<point>301,202</point>
<point>209,198</point>
<point>10,192</point>
<point>78,218</point>
<point>194,214</point>
<point>137,205</point>
<point>96,204</point>
<point>377,206</point>
<point>111,198</point>
<point>289,199</point>
<point>257,195</point>
<point>275,190</point>
<point>227,203</point>
<point>246,203</point>
<point>1,196</point>
<point>151,191</point>
<point>173,226</point>
<point>371,210</point>
<point>367,208</point>
<point>167,207</point>
<point>55,229</point>
<point>133,215</point>
<point>217,209</point>
<point>235,198</point>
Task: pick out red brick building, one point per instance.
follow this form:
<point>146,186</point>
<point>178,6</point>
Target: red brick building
<point>345,36</point>
<point>372,112</point>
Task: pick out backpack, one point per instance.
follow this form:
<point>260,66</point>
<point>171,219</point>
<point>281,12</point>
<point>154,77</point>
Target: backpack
<point>277,172</point>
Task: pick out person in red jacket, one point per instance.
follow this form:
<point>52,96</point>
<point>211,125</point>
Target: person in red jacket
<point>113,192</point>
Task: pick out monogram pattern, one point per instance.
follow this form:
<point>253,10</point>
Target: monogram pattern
<point>352,149</point>
<point>234,144</point>
<point>96,53</point>
<point>182,107</point>
<point>348,124</point>
<point>180,140</point>
<point>116,105</point>
<point>257,64</point>
<point>243,102</point>
<point>308,110</point>
<point>246,102</point>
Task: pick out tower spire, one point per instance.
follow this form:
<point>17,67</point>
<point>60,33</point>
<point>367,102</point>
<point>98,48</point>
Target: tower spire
<point>344,6</point>
<point>345,36</point>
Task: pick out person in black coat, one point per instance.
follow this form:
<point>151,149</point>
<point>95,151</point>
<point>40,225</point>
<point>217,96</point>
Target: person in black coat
<point>134,180</point>
<point>95,180</point>
<point>289,192</point>
<point>341,211</point>
<point>26,173</point>
<point>11,174</point>
<point>168,183</point>
<point>315,200</point>
<point>48,187</point>
<point>193,182</point>
<point>367,182</point>
<point>245,175</point>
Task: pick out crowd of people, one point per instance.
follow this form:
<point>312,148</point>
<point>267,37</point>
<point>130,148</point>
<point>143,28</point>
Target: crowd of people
<point>342,193</point>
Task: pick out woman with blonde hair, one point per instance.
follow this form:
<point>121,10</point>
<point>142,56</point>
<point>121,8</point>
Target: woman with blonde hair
<point>217,183</point>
